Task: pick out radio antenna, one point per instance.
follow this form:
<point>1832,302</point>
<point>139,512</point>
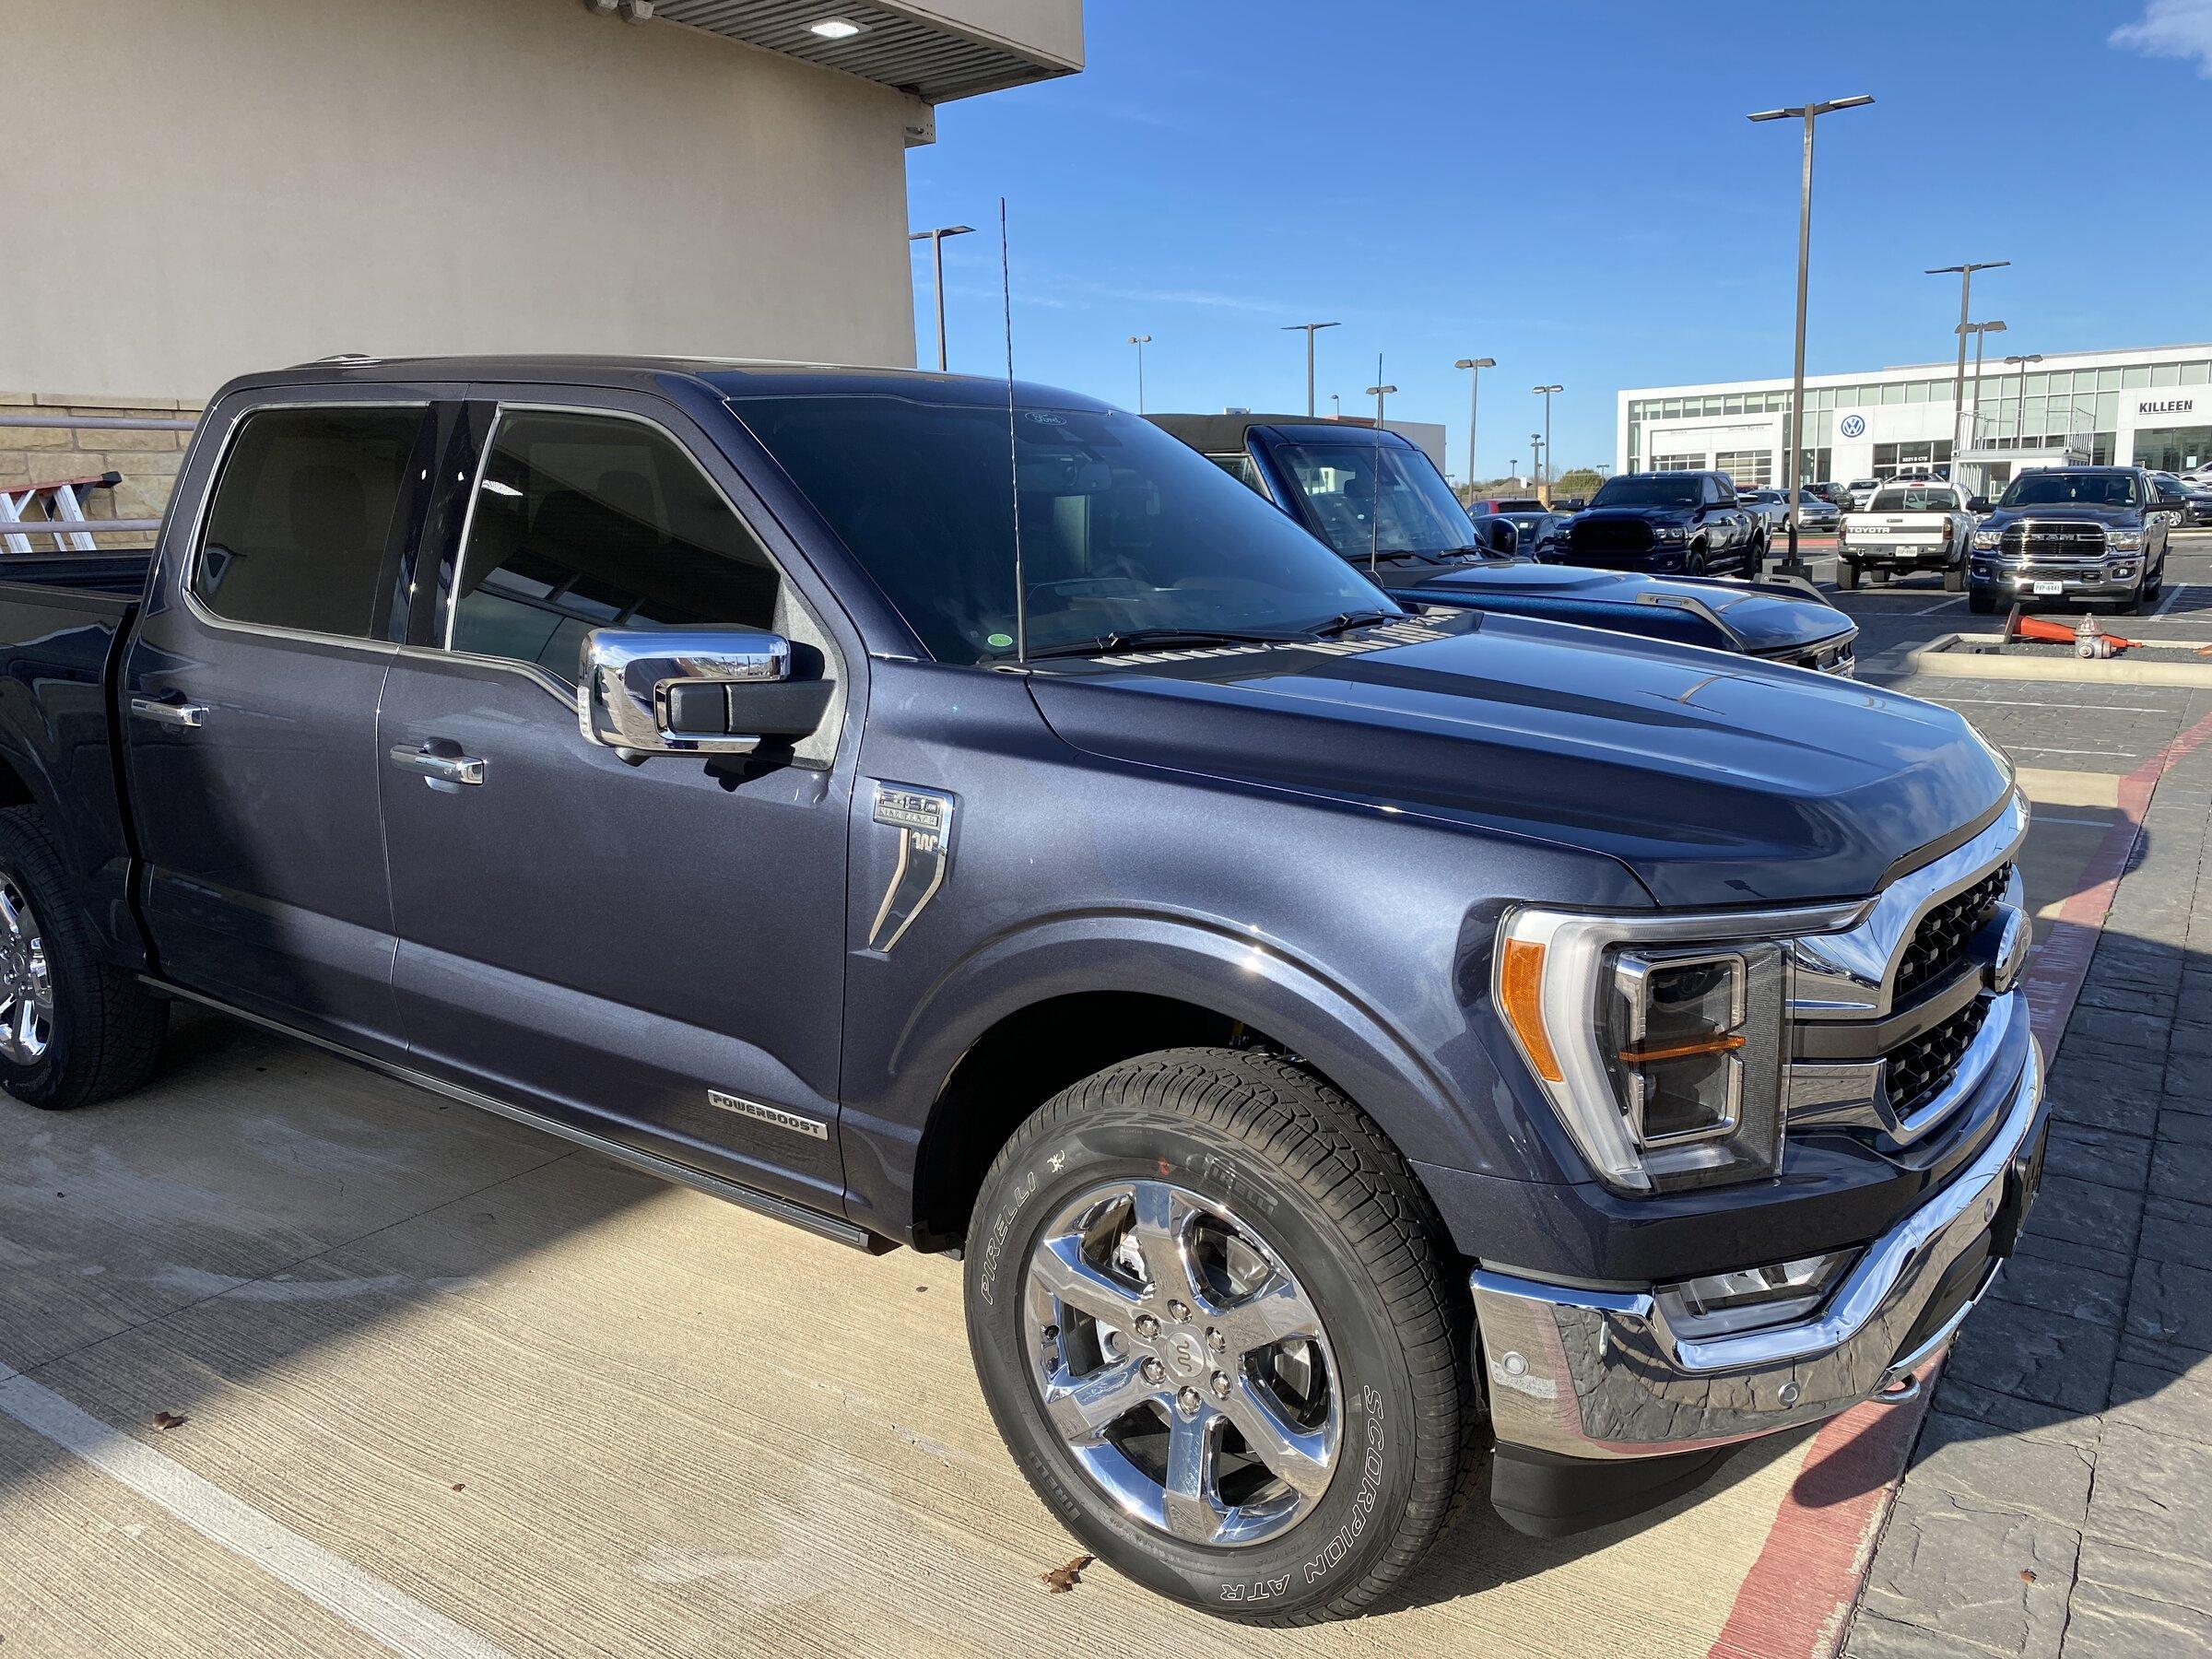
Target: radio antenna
<point>1021,587</point>
<point>1374,512</point>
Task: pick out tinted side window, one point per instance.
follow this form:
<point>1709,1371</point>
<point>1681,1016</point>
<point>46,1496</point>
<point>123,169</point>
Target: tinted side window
<point>301,515</point>
<point>591,521</point>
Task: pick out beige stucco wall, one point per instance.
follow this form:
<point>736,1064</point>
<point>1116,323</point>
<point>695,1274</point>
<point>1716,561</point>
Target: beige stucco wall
<point>199,187</point>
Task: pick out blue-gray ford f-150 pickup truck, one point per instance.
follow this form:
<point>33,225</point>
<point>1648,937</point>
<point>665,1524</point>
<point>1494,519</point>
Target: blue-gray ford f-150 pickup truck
<point>1356,1047</point>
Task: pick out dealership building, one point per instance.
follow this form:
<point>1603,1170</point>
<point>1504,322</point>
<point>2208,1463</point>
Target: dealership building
<point>2151,407</point>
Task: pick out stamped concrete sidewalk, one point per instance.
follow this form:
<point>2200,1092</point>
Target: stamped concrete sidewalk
<point>2060,1498</point>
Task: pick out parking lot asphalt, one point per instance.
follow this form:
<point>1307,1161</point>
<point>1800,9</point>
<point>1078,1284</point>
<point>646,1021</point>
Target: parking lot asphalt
<point>450,1387</point>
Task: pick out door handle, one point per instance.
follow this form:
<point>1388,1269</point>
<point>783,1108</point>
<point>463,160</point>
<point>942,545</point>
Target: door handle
<point>189,715</point>
<point>437,768</point>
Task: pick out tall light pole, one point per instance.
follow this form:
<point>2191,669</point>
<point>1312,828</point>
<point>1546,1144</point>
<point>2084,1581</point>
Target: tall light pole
<point>2019,398</point>
<point>1793,429</point>
<point>1980,331</point>
<point>1475,366</point>
<point>1965,272</point>
<point>1542,475</point>
<point>1535,462</point>
<point>1336,407</point>
<point>1310,329</point>
<point>1140,342</point>
<point>936,239</point>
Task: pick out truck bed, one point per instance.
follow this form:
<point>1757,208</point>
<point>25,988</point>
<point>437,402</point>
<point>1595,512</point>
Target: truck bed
<point>118,574</point>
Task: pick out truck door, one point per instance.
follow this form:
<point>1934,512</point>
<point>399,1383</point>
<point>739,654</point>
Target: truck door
<point>249,698</point>
<point>651,951</point>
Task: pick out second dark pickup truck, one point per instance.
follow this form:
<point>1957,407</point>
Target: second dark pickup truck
<point>1375,497</point>
<point>1348,1039</point>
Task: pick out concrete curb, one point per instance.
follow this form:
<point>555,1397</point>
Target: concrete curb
<point>1964,656</point>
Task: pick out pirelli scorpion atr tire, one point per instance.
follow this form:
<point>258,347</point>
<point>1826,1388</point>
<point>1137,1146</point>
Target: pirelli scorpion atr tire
<point>1216,1319</point>
<point>73,1029</point>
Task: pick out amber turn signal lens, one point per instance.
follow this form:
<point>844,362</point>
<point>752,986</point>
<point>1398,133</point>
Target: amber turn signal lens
<point>1681,1050</point>
<point>1521,985</point>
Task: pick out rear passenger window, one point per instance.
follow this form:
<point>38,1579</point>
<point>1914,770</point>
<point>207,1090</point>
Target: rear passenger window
<point>592,520</point>
<point>301,515</point>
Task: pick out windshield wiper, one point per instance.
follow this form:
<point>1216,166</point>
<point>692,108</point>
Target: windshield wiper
<point>1344,621</point>
<point>1140,639</point>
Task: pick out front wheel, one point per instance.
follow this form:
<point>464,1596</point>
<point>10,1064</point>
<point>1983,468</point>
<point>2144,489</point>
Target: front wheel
<point>74,1028</point>
<point>1213,1315</point>
<point>1981,600</point>
<point>1954,580</point>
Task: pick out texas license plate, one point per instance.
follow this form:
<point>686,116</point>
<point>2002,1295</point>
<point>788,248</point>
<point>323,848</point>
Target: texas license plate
<point>2050,587</point>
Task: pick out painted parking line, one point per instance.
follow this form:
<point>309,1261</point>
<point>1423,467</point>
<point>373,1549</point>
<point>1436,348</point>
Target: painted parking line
<point>1941,605</point>
<point>2038,748</point>
<point>372,1606</point>
<point>2015,703</point>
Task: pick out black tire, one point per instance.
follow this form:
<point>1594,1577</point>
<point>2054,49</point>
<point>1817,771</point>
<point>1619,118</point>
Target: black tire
<point>1339,1209</point>
<point>1693,562</point>
<point>1981,600</point>
<point>2133,604</point>
<point>1954,580</point>
<point>1847,575</point>
<point>106,1029</point>
<point>1879,578</point>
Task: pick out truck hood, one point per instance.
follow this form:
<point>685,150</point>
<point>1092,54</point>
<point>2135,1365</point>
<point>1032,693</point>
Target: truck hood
<point>2071,512</point>
<point>1717,781</point>
<point>1765,621</point>
<point>1640,515</point>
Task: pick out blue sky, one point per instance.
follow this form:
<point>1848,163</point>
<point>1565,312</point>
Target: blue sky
<point>1573,189</point>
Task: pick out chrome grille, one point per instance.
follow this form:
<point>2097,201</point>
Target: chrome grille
<point>2032,540</point>
<point>1920,1067</point>
<point>1941,939</point>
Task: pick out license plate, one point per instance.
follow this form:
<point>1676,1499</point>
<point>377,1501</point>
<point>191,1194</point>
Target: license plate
<point>2050,587</point>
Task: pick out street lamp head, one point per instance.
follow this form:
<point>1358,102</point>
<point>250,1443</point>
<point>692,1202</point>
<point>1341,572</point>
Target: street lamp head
<point>1308,328</point>
<point>1380,391</point>
<point>1812,109</point>
<point>1967,269</point>
<point>1541,390</point>
<point>942,230</point>
<point>1140,339</point>
<point>1475,363</point>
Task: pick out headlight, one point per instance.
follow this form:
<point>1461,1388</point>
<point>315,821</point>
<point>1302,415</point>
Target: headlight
<point>1986,541</point>
<point>1669,533</point>
<point>2122,541</point>
<point>1661,1053</point>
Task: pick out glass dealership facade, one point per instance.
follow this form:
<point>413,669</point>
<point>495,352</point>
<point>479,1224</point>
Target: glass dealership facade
<point>2152,407</point>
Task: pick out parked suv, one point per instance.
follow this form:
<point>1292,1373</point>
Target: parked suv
<point>1376,498</point>
<point>1342,1035</point>
<point>1666,522</point>
<point>2093,532</point>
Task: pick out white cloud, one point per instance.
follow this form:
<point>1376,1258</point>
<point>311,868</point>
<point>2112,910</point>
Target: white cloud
<point>2179,28</point>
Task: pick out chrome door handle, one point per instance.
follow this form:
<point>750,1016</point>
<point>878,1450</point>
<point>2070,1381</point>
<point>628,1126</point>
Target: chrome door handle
<point>191,715</point>
<point>437,768</point>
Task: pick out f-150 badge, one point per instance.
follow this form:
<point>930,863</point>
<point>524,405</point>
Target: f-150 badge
<point>924,824</point>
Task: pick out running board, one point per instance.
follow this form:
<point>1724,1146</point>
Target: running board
<point>651,1163</point>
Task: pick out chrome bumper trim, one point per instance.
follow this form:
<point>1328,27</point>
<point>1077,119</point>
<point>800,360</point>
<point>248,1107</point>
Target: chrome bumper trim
<point>1599,1374</point>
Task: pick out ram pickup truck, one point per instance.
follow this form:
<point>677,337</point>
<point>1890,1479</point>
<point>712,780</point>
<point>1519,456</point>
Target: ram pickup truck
<point>1906,528</point>
<point>1347,1039</point>
<point>1666,523</point>
<point>1375,497</point>
<point>2094,533</point>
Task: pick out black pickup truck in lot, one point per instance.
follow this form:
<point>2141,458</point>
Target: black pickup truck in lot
<point>1375,497</point>
<point>1349,1040</point>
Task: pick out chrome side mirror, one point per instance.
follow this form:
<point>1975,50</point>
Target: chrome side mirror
<point>693,692</point>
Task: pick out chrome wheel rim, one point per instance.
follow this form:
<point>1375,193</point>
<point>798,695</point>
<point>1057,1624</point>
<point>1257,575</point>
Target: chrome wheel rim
<point>26,985</point>
<point>1183,1368</point>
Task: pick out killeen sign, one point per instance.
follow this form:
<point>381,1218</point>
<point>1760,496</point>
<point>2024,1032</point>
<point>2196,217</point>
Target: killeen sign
<point>2169,405</point>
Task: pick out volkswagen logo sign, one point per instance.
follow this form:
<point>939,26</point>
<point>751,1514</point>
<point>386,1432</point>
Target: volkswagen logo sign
<point>1853,426</point>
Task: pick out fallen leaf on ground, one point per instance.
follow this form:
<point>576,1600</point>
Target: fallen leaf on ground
<point>169,1420</point>
<point>458,1485</point>
<point>2026,1575</point>
<point>1061,1580</point>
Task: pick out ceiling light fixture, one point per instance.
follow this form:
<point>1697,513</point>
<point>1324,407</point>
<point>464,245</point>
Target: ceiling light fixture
<point>836,29</point>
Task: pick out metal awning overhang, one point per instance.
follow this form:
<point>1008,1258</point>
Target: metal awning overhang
<point>914,50</point>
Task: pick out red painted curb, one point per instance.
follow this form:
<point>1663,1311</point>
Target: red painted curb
<point>1796,1601</point>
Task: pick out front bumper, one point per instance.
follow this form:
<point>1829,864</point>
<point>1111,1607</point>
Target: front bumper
<point>1581,1375</point>
<point>2115,578</point>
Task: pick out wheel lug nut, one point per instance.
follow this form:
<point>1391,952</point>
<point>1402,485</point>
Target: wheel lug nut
<point>1178,1312</point>
<point>1147,1325</point>
<point>1215,1341</point>
<point>1221,1387</point>
<point>1154,1370</point>
<point>1188,1402</point>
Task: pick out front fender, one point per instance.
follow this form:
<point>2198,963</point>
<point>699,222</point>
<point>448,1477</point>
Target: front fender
<point>1239,976</point>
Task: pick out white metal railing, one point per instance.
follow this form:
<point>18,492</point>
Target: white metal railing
<point>61,501</point>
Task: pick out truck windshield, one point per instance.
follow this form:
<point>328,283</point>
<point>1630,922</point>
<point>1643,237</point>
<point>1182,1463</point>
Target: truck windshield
<point>1916,499</point>
<point>1124,530</point>
<point>1648,492</point>
<point>1376,498</point>
<point>2071,490</point>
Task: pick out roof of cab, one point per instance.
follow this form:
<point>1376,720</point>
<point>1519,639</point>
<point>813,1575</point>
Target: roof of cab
<point>730,377</point>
